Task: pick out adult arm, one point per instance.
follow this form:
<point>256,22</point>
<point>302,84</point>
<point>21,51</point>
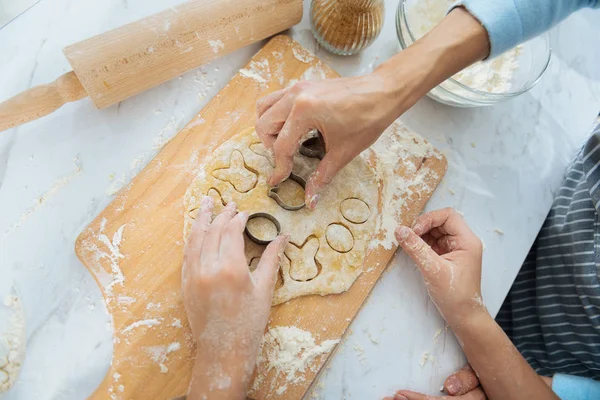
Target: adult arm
<point>352,113</point>
<point>510,22</point>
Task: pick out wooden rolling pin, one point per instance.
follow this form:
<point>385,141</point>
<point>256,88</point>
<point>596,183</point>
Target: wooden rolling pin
<point>128,60</point>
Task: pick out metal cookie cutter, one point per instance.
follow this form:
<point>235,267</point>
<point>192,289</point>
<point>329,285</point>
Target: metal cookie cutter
<point>266,216</point>
<point>314,147</point>
<point>275,196</point>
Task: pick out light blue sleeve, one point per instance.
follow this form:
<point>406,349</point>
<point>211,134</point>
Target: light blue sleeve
<point>569,387</point>
<point>510,22</point>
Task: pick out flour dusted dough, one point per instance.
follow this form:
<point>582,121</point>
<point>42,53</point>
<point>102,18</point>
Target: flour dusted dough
<point>339,238</point>
<point>355,210</point>
<point>327,246</point>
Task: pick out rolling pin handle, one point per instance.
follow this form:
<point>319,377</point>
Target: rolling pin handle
<point>40,100</point>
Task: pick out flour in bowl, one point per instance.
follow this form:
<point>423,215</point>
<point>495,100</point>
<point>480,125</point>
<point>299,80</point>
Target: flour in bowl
<point>492,76</point>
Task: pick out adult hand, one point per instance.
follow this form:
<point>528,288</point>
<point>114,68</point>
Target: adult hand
<point>226,304</point>
<point>449,256</point>
<point>462,385</point>
<point>350,113</point>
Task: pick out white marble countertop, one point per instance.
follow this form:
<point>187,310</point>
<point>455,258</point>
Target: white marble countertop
<point>58,173</point>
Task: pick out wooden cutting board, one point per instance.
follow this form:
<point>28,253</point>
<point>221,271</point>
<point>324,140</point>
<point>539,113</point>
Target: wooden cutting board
<point>134,248</point>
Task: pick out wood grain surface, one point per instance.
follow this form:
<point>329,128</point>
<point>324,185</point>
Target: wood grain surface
<point>134,248</point>
<point>130,59</point>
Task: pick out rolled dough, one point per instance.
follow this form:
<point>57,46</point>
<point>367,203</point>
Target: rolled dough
<point>327,246</point>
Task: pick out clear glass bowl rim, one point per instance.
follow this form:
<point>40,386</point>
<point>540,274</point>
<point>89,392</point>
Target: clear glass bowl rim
<point>403,12</point>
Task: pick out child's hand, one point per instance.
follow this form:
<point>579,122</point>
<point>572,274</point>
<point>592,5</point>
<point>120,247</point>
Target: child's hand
<point>463,381</point>
<point>449,256</point>
<point>227,305</point>
<point>462,385</point>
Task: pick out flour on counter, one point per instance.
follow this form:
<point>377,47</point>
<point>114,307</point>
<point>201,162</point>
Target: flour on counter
<point>12,344</point>
<point>373,339</point>
<point>126,299</point>
<point>176,323</point>
<point>146,322</point>
<point>108,250</point>
<point>258,71</point>
<point>278,55</point>
<point>139,162</point>
<point>113,254</point>
<point>302,55</point>
<point>216,45</point>
<point>115,185</point>
<point>424,358</point>
<point>314,73</point>
<point>493,76</point>
<point>279,74</point>
<point>360,353</point>
<point>437,333</point>
<point>56,186</point>
<point>153,306</point>
<point>159,354</point>
<point>290,351</point>
<point>163,137</point>
<point>206,84</point>
<point>195,122</point>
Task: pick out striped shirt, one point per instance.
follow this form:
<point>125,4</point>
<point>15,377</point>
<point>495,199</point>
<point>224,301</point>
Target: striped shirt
<point>552,312</point>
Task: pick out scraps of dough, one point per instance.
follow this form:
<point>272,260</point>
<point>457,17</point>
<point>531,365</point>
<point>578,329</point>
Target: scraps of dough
<point>327,246</point>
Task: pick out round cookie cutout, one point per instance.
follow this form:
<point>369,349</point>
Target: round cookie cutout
<point>355,210</point>
<point>339,238</point>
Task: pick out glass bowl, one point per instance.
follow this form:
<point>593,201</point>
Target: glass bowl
<point>532,59</point>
